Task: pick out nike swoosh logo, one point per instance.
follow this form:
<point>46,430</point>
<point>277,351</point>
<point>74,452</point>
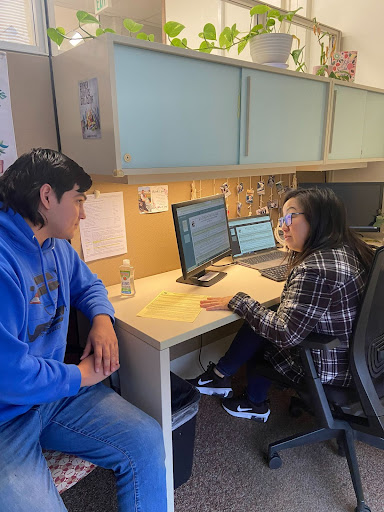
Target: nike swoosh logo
<point>203,382</point>
<point>241,409</point>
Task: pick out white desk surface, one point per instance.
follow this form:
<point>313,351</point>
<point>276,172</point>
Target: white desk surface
<point>163,334</point>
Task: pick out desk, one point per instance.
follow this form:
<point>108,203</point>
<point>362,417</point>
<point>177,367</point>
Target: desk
<point>145,342</point>
<point>373,239</point>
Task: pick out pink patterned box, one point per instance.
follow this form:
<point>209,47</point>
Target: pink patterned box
<point>343,63</point>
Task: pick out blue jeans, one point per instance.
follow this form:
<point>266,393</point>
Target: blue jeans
<point>97,425</point>
<point>247,347</point>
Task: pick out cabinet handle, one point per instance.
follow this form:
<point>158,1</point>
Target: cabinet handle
<point>333,121</point>
<point>247,116</point>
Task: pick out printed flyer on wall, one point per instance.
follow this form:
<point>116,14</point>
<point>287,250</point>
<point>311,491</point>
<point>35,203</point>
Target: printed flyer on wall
<point>7,135</point>
<point>90,109</point>
<point>153,199</point>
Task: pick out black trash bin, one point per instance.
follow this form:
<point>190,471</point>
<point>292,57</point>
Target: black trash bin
<point>185,404</point>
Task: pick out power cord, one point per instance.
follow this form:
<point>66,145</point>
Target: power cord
<point>200,349</point>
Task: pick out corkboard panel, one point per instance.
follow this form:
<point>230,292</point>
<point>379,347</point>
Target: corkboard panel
<point>151,240</point>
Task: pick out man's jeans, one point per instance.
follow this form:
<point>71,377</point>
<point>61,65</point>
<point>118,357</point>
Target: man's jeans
<point>97,425</point>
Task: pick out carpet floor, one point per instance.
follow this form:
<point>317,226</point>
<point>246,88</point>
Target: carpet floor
<point>230,474</point>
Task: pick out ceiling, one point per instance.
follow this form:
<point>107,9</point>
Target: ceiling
<point>139,10</point>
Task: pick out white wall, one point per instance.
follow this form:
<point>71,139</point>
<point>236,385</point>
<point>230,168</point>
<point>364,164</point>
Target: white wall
<point>193,15</point>
<point>362,26</point>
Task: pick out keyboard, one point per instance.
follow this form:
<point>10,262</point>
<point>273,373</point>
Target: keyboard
<point>260,258</point>
<point>275,273</point>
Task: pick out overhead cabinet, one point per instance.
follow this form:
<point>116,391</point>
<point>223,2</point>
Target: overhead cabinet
<point>357,124</point>
<point>174,111</point>
<point>282,118</point>
<point>164,110</point>
<point>373,136</point>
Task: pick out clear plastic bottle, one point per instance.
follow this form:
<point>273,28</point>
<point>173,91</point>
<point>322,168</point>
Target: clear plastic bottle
<point>127,279</point>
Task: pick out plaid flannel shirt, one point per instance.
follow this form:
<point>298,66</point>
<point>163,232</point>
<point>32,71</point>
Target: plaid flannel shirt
<point>322,295</point>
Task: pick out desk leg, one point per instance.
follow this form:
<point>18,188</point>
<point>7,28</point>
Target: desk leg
<point>145,382</point>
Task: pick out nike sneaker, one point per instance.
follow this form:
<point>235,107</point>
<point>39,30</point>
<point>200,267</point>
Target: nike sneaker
<point>242,407</point>
<point>208,383</point>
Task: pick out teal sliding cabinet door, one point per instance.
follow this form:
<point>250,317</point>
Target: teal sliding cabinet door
<point>373,137</point>
<point>175,111</point>
<point>347,128</point>
<point>282,118</point>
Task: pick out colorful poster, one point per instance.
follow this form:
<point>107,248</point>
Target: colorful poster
<point>90,109</point>
<point>343,64</point>
<point>7,134</point>
<point>153,199</point>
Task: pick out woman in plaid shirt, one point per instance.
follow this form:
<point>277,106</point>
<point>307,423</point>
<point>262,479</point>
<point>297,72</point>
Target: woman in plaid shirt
<point>328,267</point>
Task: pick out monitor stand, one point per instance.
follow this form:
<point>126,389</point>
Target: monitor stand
<point>203,278</point>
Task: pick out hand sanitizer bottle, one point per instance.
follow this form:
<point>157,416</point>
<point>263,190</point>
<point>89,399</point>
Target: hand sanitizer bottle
<point>126,278</point>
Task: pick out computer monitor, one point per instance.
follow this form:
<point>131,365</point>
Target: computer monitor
<point>362,202</point>
<point>202,235</point>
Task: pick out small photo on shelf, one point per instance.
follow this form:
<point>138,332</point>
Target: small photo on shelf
<point>343,64</point>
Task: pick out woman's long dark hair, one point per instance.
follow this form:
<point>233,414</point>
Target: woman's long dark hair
<point>326,216</point>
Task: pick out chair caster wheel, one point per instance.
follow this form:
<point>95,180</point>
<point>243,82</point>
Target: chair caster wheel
<point>274,461</point>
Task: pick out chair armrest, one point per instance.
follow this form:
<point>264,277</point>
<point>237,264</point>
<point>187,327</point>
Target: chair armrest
<point>320,341</point>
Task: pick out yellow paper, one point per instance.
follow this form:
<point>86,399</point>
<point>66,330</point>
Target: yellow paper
<point>180,307</point>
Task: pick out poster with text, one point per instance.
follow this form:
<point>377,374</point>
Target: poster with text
<point>7,135</point>
<point>90,109</point>
<point>153,199</point>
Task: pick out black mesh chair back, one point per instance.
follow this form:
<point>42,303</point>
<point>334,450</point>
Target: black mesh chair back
<point>357,412</point>
<point>367,350</point>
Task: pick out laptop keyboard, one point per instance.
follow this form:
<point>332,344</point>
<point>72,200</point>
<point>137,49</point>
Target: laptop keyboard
<point>275,273</point>
<point>261,258</point>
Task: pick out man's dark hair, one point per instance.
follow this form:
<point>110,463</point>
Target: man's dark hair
<point>326,216</point>
<point>20,184</point>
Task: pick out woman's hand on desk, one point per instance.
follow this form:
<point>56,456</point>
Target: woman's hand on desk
<point>213,303</point>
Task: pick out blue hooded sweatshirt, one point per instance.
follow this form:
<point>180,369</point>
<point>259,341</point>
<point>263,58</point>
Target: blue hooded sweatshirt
<point>38,285</point>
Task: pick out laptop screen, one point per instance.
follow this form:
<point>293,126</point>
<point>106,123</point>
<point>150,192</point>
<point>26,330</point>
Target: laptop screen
<point>250,234</point>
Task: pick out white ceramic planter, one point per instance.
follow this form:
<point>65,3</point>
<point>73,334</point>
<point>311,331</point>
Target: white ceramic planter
<point>271,48</point>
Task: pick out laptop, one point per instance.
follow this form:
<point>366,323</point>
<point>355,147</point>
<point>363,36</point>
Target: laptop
<point>253,244</point>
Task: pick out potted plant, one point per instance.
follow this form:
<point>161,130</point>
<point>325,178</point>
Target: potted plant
<point>264,37</point>
<point>272,45</point>
<point>268,43</point>
<point>327,52</point>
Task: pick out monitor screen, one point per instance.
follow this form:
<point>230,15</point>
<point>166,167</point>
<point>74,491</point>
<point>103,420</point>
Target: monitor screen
<point>202,233</point>
<point>362,201</point>
<point>250,234</point>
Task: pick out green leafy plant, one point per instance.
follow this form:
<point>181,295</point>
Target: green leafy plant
<point>324,48</point>
<point>231,36</point>
<point>58,34</point>
<point>327,51</point>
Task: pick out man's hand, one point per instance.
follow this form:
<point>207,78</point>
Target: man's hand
<point>88,375</point>
<point>212,303</point>
<point>102,339</point>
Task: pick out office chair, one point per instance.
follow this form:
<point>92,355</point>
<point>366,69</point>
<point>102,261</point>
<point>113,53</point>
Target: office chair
<point>345,414</point>
<point>66,470</point>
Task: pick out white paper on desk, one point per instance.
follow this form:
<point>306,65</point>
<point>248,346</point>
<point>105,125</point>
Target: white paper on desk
<point>180,307</point>
<point>103,231</point>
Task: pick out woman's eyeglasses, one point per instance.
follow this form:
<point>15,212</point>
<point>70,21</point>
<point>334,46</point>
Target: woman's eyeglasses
<point>287,219</point>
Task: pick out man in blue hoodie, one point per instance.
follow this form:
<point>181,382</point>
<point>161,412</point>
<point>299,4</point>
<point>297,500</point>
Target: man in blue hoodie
<point>45,403</point>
